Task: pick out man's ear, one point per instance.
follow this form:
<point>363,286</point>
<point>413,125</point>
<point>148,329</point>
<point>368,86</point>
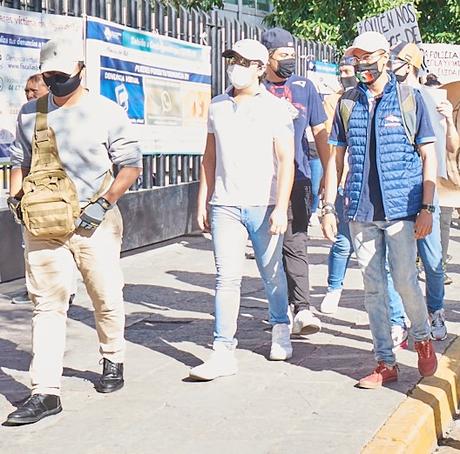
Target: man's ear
<point>261,70</point>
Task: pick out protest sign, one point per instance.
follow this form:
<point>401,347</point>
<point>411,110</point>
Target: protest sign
<point>163,84</point>
<point>397,24</point>
<point>21,37</point>
<point>443,60</point>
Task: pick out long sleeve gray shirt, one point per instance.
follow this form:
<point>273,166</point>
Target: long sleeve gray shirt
<point>91,136</point>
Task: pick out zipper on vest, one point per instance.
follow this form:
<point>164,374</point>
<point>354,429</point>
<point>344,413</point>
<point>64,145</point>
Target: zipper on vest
<point>366,151</point>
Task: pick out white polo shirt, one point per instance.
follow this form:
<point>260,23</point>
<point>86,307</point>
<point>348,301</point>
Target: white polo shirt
<point>246,165</point>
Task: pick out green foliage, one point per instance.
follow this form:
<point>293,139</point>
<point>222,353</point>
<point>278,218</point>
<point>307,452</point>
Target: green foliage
<point>334,21</point>
<point>204,5</point>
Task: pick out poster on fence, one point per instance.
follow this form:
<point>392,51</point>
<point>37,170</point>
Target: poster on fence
<point>397,24</point>
<point>443,60</point>
<point>324,76</point>
<point>22,34</point>
<point>164,84</point>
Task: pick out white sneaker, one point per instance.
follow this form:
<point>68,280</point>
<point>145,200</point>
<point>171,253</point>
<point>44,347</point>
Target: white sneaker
<point>22,298</point>
<point>399,335</point>
<point>330,303</point>
<point>281,343</point>
<point>291,317</point>
<point>438,325</point>
<point>314,220</point>
<point>221,363</point>
<point>305,322</point>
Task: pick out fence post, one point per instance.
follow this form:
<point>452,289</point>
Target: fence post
<point>172,169</point>
<point>160,170</point>
<point>147,171</point>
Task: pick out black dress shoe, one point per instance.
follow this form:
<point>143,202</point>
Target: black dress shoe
<point>111,379</point>
<point>36,407</point>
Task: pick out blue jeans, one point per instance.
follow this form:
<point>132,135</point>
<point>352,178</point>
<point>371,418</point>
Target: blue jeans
<point>316,174</point>
<point>430,251</point>
<point>372,241</point>
<point>230,226</point>
<point>341,249</point>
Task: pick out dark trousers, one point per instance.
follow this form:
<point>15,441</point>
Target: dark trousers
<point>295,245</point>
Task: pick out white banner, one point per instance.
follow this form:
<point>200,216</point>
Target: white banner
<point>22,34</point>
<point>397,24</point>
<point>443,60</point>
<point>163,84</point>
<point>325,77</point>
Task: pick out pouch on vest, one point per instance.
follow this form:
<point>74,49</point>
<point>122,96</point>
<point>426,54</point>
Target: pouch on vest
<point>50,204</point>
<point>407,103</point>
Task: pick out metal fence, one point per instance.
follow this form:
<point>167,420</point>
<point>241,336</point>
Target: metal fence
<point>189,25</point>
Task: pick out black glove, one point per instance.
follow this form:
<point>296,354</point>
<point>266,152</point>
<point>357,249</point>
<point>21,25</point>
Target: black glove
<point>93,214</point>
<point>15,207</point>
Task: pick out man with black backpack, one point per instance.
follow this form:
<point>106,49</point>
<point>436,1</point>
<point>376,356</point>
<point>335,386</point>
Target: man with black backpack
<point>63,192</point>
<point>388,196</point>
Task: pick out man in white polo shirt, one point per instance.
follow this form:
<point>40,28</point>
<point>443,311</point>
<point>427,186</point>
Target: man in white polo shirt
<point>246,180</point>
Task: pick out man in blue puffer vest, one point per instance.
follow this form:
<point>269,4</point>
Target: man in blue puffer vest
<point>388,198</point>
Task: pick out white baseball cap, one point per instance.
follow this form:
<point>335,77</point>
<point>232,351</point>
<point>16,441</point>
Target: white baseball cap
<point>369,42</point>
<point>61,55</point>
<point>249,49</point>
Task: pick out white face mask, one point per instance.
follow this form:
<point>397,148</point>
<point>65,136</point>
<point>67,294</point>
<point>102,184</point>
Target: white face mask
<point>240,77</point>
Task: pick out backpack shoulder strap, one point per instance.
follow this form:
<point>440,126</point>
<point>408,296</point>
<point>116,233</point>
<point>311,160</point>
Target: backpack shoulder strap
<point>346,104</point>
<point>408,105</point>
<point>45,155</point>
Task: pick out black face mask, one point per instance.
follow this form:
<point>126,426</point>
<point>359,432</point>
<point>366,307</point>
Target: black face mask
<point>62,84</point>
<point>286,68</point>
<point>400,78</point>
<point>348,82</point>
<point>368,73</point>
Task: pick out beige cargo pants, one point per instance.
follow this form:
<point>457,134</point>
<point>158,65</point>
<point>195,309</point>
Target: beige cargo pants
<point>49,273</point>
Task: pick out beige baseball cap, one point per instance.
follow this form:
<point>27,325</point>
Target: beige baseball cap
<point>408,52</point>
<point>61,55</point>
<point>249,49</point>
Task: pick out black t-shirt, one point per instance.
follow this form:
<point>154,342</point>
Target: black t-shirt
<point>375,191</point>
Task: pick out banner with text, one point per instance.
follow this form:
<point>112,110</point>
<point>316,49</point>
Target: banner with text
<point>397,24</point>
<point>163,84</point>
<point>443,60</point>
<point>22,34</point>
<point>324,76</point>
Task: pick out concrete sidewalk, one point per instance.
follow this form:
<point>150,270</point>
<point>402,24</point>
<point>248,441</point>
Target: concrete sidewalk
<point>308,404</point>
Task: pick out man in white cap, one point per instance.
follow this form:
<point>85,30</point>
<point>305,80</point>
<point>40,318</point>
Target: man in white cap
<point>246,179</point>
<point>86,135</point>
<point>388,196</point>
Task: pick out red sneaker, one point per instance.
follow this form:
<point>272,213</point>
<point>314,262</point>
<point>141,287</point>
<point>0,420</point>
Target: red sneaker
<point>427,361</point>
<point>381,375</point>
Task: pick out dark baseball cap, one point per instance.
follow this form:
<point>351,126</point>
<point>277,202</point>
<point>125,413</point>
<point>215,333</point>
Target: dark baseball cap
<point>277,37</point>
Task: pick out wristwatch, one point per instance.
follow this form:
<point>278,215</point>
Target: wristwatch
<point>328,208</point>
<point>428,207</point>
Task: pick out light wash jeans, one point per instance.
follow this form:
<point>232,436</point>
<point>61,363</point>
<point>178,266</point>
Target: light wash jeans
<point>230,226</point>
<point>371,242</point>
<point>316,174</point>
<point>430,251</point>
<point>340,254</point>
<point>341,249</point>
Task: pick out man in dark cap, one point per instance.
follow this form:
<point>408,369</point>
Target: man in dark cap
<point>307,111</point>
